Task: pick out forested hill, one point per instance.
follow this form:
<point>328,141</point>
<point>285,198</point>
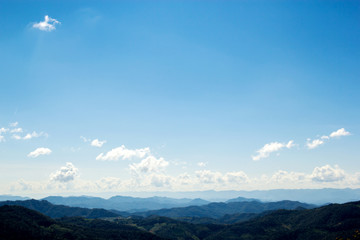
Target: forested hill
<point>58,211</point>
<point>18,223</point>
<point>335,221</point>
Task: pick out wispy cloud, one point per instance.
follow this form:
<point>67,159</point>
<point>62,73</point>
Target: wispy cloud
<point>13,124</point>
<point>16,130</point>
<point>123,153</point>
<point>311,144</point>
<point>39,151</point>
<point>2,138</point>
<point>268,148</point>
<point>47,25</point>
<point>34,135</point>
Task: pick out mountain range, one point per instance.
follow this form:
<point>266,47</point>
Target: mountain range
<point>334,221</point>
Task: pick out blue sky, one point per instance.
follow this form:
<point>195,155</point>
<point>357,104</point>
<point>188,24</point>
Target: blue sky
<point>189,95</point>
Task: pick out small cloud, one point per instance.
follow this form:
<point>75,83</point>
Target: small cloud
<point>123,153</point>
<point>97,143</point>
<point>39,151</point>
<point>314,144</point>
<point>14,124</point>
<point>65,174</point>
<point>3,130</point>
<point>47,25</point>
<point>339,133</point>
<point>265,151</point>
<point>2,138</point>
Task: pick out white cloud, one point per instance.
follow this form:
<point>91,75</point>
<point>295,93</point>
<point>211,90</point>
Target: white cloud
<point>16,130</point>
<point>65,174</point>
<point>328,174</point>
<point>317,142</point>
<point>202,164</point>
<point>314,143</point>
<point>2,138</point>
<point>34,135</point>
<point>149,165</point>
<point>3,130</point>
<point>47,25</point>
<point>39,151</point>
<point>268,148</point>
<point>14,124</point>
<point>123,153</point>
<point>340,132</point>
<point>97,143</point>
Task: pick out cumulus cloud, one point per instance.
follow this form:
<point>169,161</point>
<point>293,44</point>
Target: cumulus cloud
<point>123,153</point>
<point>97,143</point>
<point>328,174</point>
<point>47,25</point>
<point>149,165</point>
<point>317,142</point>
<point>339,133</point>
<point>39,151</point>
<point>65,174</point>
<point>268,148</point>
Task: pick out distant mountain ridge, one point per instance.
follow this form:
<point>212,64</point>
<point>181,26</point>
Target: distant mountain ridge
<point>218,210</point>
<point>125,203</point>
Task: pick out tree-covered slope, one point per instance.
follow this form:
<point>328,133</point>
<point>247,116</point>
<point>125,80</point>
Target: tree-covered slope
<point>58,211</point>
<point>18,222</point>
